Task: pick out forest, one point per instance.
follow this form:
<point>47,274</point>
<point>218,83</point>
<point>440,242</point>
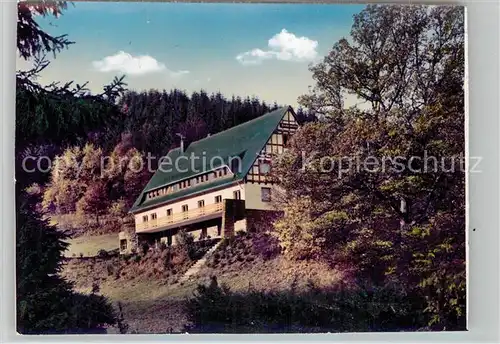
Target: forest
<point>403,229</point>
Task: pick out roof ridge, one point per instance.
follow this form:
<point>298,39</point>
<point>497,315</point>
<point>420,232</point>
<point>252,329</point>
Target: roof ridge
<point>250,137</point>
<point>239,125</point>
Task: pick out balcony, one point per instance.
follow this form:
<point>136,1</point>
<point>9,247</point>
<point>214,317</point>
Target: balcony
<point>184,218</point>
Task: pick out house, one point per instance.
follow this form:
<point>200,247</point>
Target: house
<point>215,186</point>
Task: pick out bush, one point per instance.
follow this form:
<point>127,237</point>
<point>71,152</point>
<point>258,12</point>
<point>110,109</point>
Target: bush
<point>110,269</point>
<point>266,246</point>
<point>144,248</point>
<point>103,254</point>
<point>185,242</point>
<point>216,309</point>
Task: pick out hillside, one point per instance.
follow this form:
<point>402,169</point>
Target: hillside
<point>154,301</point>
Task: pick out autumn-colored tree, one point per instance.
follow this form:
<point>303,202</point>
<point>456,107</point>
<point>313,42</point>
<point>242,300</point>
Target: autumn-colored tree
<point>386,192</point>
<point>95,201</point>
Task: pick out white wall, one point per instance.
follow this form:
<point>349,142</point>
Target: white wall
<point>253,199</point>
<point>192,203</point>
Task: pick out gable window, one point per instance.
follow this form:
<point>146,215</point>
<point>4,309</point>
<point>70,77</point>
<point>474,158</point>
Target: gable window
<point>285,139</point>
<point>237,194</point>
<point>264,167</point>
<point>235,165</point>
<point>145,218</point>
<point>265,194</point>
<point>218,199</point>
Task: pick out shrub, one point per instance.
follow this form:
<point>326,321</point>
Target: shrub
<point>110,269</point>
<point>266,246</point>
<point>185,242</point>
<point>144,248</point>
<point>103,254</point>
<point>122,325</point>
<point>217,309</point>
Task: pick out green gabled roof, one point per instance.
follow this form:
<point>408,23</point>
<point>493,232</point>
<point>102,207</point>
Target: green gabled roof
<point>245,140</point>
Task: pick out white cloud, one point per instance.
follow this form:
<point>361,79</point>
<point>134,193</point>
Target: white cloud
<point>178,74</point>
<point>284,46</point>
<point>123,62</point>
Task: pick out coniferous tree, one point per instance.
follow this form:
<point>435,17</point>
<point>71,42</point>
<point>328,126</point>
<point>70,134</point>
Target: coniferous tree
<point>46,302</point>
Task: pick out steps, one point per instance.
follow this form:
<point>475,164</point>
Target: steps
<point>196,267</point>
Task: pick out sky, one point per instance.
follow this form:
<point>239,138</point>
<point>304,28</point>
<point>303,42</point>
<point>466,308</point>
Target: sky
<point>261,50</point>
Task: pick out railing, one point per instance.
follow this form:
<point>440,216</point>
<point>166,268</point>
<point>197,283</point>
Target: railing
<point>180,217</point>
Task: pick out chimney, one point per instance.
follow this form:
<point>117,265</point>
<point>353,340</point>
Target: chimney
<point>182,142</point>
<point>208,135</point>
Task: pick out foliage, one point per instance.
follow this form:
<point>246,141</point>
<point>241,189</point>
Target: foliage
<point>123,327</point>
<point>385,198</point>
<point>216,309</point>
<point>45,301</point>
<point>153,118</point>
<point>118,208</point>
<point>31,40</point>
<point>185,243</point>
<point>86,180</point>
<point>94,201</point>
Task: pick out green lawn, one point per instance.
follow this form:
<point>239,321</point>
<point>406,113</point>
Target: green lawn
<point>90,245</point>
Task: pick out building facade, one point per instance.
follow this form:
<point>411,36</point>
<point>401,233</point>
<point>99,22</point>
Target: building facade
<point>215,186</point>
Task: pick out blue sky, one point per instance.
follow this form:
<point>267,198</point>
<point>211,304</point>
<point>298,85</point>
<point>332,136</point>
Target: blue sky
<point>258,50</point>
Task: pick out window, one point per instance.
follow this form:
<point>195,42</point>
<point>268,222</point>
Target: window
<point>145,218</point>
<point>201,204</point>
<point>218,199</point>
<point>189,182</point>
<point>185,208</point>
<point>123,244</point>
<point>235,164</point>
<point>169,212</point>
<point>225,171</point>
<point>220,173</point>
<point>265,194</point>
<point>153,216</point>
<point>264,167</point>
<point>285,139</point>
<point>237,194</point>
